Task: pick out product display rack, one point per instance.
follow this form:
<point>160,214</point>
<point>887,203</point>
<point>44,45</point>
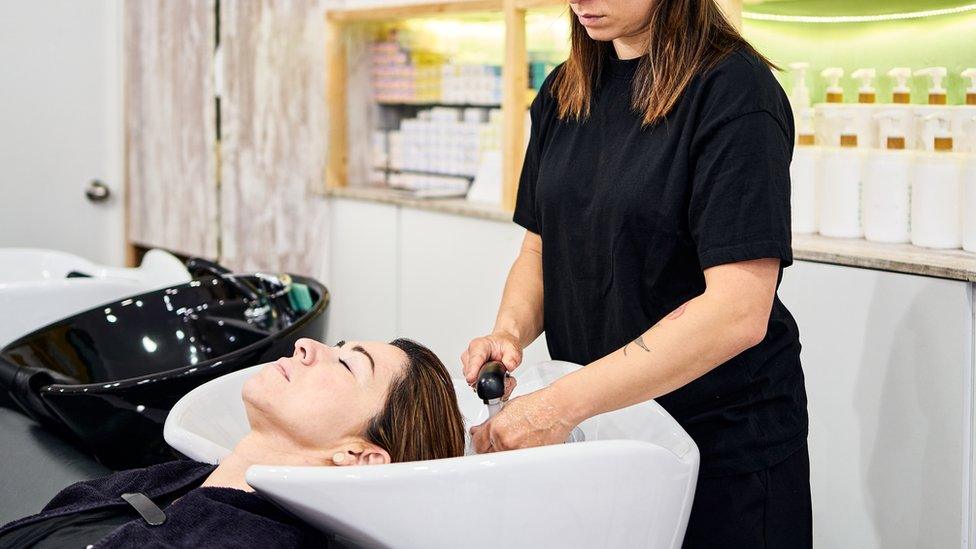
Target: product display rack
<point>515,82</point>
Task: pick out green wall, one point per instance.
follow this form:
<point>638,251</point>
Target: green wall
<point>948,41</point>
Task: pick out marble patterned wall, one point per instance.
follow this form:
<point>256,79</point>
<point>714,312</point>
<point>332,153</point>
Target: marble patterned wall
<point>170,127</point>
<point>273,136</point>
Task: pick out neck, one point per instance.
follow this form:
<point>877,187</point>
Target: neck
<point>261,449</point>
<point>630,47</point>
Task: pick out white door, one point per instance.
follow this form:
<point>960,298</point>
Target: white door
<point>61,126</point>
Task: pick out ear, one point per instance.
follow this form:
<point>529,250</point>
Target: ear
<point>361,454</point>
<point>371,454</point>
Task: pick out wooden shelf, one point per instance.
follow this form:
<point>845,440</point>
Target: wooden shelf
<point>426,9</point>
<point>514,76</point>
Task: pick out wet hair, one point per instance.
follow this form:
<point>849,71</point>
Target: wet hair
<point>420,419</point>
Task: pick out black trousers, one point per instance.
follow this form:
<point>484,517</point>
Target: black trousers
<point>768,509</point>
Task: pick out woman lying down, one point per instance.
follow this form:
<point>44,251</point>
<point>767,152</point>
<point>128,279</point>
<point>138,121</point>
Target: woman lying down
<point>358,403</point>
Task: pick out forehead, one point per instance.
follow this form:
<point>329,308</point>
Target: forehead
<point>388,358</point>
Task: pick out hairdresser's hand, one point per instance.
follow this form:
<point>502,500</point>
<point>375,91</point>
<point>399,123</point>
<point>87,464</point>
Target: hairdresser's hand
<point>501,346</point>
<point>535,419</point>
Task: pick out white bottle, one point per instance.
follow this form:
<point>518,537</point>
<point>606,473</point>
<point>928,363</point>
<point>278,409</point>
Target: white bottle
<point>969,205</point>
<point>886,205</point>
<point>828,117</point>
<point>863,112</point>
<point>937,190</point>
<point>936,103</point>
<point>805,176</point>
<point>901,93</point>
<point>840,196</point>
<point>800,96</point>
<point>964,117</point>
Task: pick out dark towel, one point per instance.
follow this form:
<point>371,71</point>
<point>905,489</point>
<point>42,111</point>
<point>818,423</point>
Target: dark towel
<point>204,517</point>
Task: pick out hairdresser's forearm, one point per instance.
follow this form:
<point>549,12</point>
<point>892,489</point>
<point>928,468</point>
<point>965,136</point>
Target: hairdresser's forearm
<point>520,312</point>
<point>709,331</point>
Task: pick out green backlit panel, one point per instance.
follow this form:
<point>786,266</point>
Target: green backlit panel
<point>847,7</point>
<point>948,41</point>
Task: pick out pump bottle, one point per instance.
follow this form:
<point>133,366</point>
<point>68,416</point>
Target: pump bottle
<point>805,176</point>
<point>969,204</point>
<point>840,199</point>
<point>887,182</point>
<point>800,95</point>
<point>937,100</point>
<point>828,115</point>
<point>937,190</point>
<point>901,94</point>
<point>863,112</point>
<point>964,117</point>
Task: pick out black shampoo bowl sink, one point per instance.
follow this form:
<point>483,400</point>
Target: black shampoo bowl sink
<point>107,377</point>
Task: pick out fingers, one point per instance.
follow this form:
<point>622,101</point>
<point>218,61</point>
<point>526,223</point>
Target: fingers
<point>510,383</point>
<point>511,355</point>
<point>480,439</point>
<point>478,352</point>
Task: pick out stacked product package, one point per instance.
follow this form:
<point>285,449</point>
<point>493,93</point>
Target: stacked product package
<point>419,77</point>
<point>442,148</point>
<point>436,151</point>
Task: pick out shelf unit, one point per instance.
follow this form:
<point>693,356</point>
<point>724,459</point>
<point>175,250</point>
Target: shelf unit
<point>514,75</point>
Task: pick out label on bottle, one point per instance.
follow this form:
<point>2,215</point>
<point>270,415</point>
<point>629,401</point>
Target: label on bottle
<point>943,143</point>
<point>895,143</point>
<point>937,99</point>
<point>901,98</point>
<point>865,97</point>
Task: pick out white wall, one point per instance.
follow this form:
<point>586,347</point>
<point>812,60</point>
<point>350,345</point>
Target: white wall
<point>435,278</point>
<point>61,126</point>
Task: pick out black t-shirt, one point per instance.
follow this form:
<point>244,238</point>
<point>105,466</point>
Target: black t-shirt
<point>629,219</point>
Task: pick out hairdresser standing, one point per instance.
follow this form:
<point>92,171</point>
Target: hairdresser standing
<point>655,194</point>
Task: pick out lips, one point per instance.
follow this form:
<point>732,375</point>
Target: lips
<point>284,371</point>
<point>588,19</point>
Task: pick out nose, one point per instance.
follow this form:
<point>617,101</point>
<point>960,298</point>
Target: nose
<point>305,351</point>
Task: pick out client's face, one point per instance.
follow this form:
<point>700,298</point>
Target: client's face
<point>321,394</point>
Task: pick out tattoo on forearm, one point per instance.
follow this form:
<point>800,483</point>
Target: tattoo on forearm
<point>639,342</point>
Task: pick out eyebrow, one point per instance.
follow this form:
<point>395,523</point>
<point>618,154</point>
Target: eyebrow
<point>372,364</point>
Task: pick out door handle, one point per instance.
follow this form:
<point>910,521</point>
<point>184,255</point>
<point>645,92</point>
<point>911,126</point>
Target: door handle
<point>97,191</point>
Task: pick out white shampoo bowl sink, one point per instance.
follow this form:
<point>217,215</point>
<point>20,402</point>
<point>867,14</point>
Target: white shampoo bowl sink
<point>629,484</point>
<point>36,290</point>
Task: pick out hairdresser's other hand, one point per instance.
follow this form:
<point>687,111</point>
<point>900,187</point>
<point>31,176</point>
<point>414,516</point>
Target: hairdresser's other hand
<point>501,346</point>
<point>535,419</point>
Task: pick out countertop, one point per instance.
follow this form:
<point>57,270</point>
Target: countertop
<point>899,258</point>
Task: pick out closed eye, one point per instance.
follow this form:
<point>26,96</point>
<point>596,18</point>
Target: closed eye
<point>343,362</point>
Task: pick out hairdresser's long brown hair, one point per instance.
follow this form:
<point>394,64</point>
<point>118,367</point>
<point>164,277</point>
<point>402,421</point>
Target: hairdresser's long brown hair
<point>421,419</point>
<point>686,37</point>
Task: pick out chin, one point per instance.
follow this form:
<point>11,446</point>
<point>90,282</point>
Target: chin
<point>602,35</point>
<point>254,392</point>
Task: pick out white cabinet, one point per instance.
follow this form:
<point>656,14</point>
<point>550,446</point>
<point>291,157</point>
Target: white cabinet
<point>888,364</point>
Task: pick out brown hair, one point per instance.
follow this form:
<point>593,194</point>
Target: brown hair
<point>421,419</point>
<point>686,38</point>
